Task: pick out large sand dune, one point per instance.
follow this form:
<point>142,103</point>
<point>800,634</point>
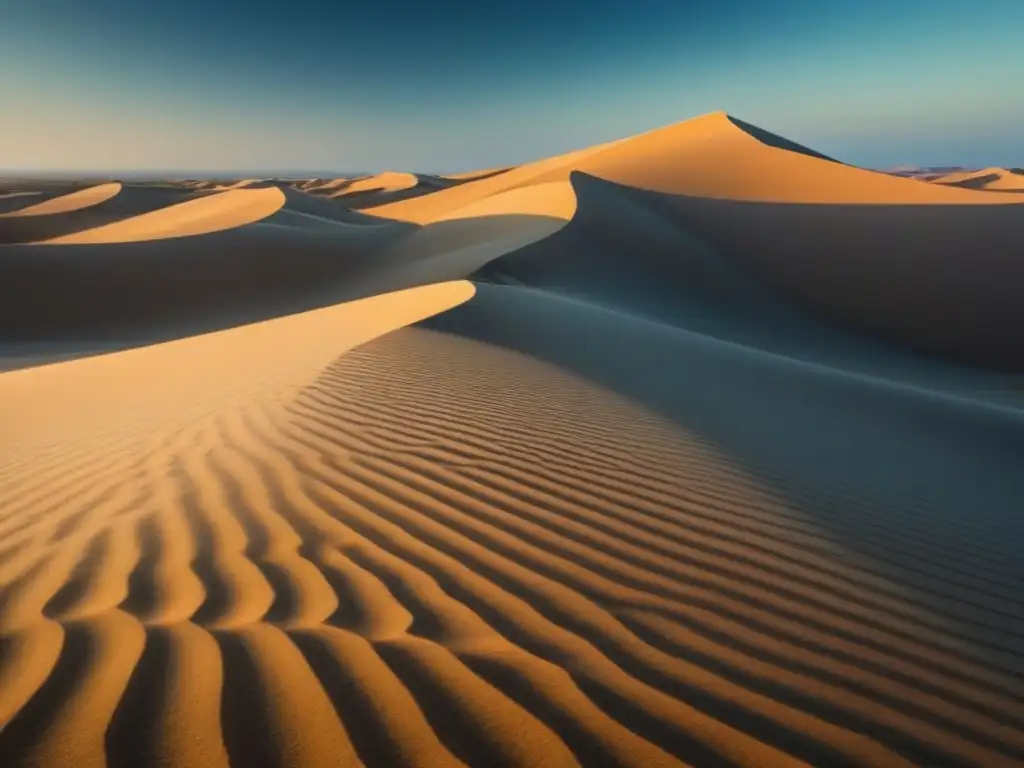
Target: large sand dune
<point>689,472</point>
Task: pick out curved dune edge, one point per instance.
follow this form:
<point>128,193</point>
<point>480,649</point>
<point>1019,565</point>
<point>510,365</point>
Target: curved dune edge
<point>995,178</point>
<point>73,201</point>
<point>382,188</point>
<point>467,239</point>
<point>714,157</point>
<point>214,213</point>
<point>422,210</point>
<point>481,173</point>
<point>275,355</point>
<point>555,199</point>
<point>531,530</point>
<point>710,156</point>
<point>388,181</point>
<point>453,551</point>
<point>305,203</point>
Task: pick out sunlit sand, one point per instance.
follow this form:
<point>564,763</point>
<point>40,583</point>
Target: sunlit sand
<point>693,448</point>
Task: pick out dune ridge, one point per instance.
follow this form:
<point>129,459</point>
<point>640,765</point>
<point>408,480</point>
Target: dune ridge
<point>991,179</point>
<point>72,201</point>
<point>224,210</point>
<point>663,483</point>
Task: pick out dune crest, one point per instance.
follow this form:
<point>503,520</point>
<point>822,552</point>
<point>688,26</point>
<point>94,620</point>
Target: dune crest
<point>258,357</point>
<point>73,201</point>
<point>992,179</point>
<point>478,174</point>
<point>220,211</point>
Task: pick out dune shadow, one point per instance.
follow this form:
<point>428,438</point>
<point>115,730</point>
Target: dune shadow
<point>134,730</point>
<point>942,279</point>
<point>976,182</point>
<point>354,705</point>
<point>130,201</point>
<point>144,292</point>
<point>246,722</point>
<point>847,453</point>
<point>776,141</point>
<point>29,728</point>
<point>634,251</point>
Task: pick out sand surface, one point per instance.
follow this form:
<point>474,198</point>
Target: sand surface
<point>696,448</point>
<point>989,179</point>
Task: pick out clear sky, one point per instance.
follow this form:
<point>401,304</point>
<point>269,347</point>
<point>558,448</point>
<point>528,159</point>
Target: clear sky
<point>432,85</point>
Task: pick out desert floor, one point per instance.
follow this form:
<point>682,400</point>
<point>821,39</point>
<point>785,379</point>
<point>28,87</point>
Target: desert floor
<point>694,448</point>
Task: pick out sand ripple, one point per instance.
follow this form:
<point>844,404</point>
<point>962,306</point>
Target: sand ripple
<point>425,557</point>
<point>552,522</point>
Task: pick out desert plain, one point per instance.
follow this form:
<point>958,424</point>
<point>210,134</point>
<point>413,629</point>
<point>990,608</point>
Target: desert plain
<point>696,448</point>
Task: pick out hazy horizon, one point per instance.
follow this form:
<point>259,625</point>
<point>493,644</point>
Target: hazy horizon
<point>232,88</point>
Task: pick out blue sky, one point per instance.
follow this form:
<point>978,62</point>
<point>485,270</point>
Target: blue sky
<point>201,85</point>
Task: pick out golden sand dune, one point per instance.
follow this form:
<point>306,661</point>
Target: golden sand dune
<point>631,498</point>
<point>991,179</point>
<point>225,210</point>
<point>937,277</point>
<point>445,550</point>
<point>12,201</point>
<point>882,254</point>
<point>389,181</point>
<point>66,203</point>
<point>428,208</point>
<point>131,200</point>
<point>467,239</point>
<point>323,208</point>
<point>382,188</point>
<point>714,156</point>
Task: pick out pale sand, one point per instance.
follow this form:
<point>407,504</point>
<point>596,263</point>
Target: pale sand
<point>634,507</point>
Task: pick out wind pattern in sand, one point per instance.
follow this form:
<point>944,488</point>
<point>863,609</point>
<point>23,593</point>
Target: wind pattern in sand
<point>521,522</point>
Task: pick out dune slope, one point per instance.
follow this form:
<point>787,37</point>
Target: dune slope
<point>667,484</point>
<point>66,203</point>
<point>991,179</point>
<point>430,523</point>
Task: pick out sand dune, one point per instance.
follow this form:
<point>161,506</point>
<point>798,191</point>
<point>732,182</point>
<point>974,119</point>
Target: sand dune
<point>991,179</point>
<point>72,201</point>
<point>225,210</point>
<point>667,483</point>
<point>131,200</point>
<point>711,156</point>
<point>897,267</point>
<point>382,188</point>
<point>322,185</point>
<point>474,175</point>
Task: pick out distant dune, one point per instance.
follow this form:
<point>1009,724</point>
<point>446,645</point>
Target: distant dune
<point>379,189</point>
<point>475,175</point>
<point>66,203</point>
<point>990,179</point>
<point>214,213</point>
<point>693,448</point>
